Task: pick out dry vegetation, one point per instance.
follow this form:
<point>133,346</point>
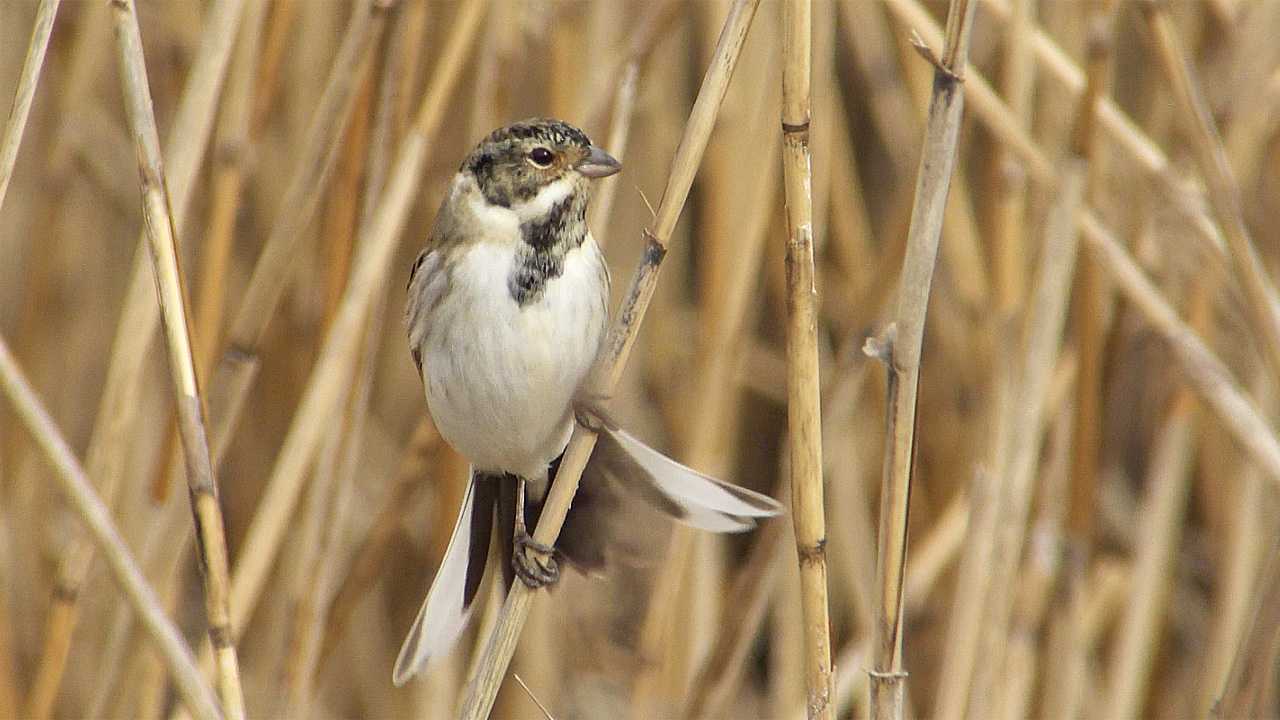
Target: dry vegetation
<point>1094,521</point>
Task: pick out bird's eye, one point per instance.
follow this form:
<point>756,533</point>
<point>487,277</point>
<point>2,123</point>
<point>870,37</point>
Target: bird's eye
<point>541,157</point>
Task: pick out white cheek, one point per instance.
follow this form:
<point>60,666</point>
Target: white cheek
<point>542,203</point>
<point>496,219</point>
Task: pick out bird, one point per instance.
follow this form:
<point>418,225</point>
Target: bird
<point>506,313</point>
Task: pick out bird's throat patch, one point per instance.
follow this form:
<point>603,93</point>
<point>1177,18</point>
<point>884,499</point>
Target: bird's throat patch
<point>546,241</point>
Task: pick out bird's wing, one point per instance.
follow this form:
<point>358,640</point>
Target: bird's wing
<point>445,612</point>
<point>428,282</point>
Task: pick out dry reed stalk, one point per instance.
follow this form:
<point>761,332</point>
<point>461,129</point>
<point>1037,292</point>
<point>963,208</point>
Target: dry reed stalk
<point>1165,503</point>
<point>314,168</point>
<point>804,415</point>
<point>891,107</point>
<point>900,349</point>
<point>1125,134</point>
<point>117,413</point>
<point>415,466</point>
<point>162,240</point>
<point>25,93</point>
<point>936,551</point>
<point>1246,545</point>
<point>1207,374</point>
<point>961,254</point>
<point>1039,575</point>
<point>328,383</point>
<point>230,161</point>
<point>283,14</point>
<point>319,516</point>
<point>652,27</point>
<point>1042,339</point>
<point>231,146</point>
<point>964,625</point>
<point>79,492</point>
<point>501,642</point>
<point>1017,80</point>
<point>1092,306</point>
<point>1223,193</point>
<point>1252,670</point>
<point>735,214</point>
<point>722,670</point>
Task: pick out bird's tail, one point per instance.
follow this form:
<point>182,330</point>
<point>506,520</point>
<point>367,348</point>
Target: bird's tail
<point>447,608</point>
<point>688,496</point>
<point>592,528</point>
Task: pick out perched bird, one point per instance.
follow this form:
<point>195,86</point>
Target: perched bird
<point>507,309</point>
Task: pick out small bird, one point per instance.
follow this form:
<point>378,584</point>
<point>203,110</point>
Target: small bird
<point>506,311</point>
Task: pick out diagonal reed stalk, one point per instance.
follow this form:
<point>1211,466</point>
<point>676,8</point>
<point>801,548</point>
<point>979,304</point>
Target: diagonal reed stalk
<point>195,694</point>
<point>118,410</point>
<point>1224,194</point>
<point>901,351</point>
<point>804,413</point>
<point>327,387</point>
<point>1210,377</point>
<point>162,241</point>
<point>498,649</point>
<point>26,92</point>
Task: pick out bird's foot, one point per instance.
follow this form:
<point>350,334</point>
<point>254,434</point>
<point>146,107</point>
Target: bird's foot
<point>535,564</point>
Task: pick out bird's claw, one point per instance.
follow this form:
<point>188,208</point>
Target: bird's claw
<point>534,563</point>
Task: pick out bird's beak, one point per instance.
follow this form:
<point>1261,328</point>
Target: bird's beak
<point>598,164</point>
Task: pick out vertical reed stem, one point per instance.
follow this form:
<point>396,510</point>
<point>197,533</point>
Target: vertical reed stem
<point>901,351</point>
<point>804,421</point>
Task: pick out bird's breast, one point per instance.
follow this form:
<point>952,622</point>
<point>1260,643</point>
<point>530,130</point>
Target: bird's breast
<point>500,375</point>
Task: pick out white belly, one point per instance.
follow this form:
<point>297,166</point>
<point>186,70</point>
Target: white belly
<point>499,377</point>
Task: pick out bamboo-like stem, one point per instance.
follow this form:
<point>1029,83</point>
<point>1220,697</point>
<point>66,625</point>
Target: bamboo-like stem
<point>26,92</point>
<point>500,645</point>
<point>329,381</point>
<point>901,351</point>
<point>1224,194</point>
<point>195,693</point>
<point>162,240</point>
<point>804,415</point>
<point>118,406</point>
<point>936,552</point>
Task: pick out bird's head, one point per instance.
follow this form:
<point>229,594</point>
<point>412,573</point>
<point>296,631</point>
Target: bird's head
<point>532,164</point>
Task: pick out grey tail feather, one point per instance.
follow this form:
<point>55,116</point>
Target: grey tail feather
<point>683,493</point>
<point>447,608</point>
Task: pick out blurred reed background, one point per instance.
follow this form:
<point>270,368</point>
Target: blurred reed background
<point>1093,519</point>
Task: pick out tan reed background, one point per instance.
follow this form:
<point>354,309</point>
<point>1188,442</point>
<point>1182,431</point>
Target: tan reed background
<point>1093,508</point>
